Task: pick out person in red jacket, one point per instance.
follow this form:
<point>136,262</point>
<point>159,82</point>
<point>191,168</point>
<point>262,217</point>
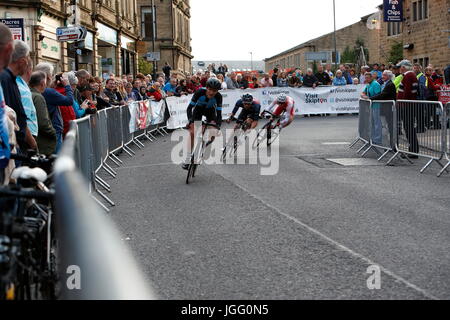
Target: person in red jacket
<point>67,112</point>
<point>432,95</point>
<point>155,92</point>
<point>408,91</point>
<point>194,85</point>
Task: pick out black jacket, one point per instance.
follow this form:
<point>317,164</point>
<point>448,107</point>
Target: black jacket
<point>324,78</point>
<point>389,92</point>
<point>309,81</point>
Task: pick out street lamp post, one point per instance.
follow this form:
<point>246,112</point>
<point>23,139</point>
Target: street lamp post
<point>251,59</point>
<point>335,40</point>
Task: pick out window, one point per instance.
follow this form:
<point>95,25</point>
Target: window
<point>419,10</point>
<point>424,62</point>
<point>147,23</point>
<point>394,28</point>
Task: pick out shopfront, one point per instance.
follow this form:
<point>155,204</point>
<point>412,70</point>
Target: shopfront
<point>128,55</point>
<point>85,54</point>
<point>107,50</point>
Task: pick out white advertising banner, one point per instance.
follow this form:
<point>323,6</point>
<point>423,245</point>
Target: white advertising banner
<point>332,100</point>
<point>178,111</point>
<point>156,114</point>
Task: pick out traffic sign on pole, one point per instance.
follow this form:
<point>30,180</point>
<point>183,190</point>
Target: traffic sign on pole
<point>76,33</point>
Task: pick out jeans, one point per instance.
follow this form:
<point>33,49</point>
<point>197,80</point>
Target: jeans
<point>59,141</point>
<point>377,126</point>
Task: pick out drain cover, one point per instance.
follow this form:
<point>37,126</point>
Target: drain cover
<point>349,162</point>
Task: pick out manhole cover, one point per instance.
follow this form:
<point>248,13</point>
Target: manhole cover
<point>349,162</point>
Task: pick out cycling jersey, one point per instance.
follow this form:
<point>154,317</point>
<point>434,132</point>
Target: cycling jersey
<point>203,106</point>
<point>252,113</point>
<point>286,109</point>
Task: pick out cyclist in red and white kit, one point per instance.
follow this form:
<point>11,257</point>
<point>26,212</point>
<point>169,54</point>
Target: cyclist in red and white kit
<point>283,106</point>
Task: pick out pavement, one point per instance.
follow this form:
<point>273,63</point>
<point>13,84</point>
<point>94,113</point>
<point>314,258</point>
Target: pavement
<point>312,231</point>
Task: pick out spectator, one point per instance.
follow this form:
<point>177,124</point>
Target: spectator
<point>155,93</point>
<point>222,81</point>
<point>266,81</point>
<point>67,112</point>
<point>46,139</point>
<point>129,92</point>
<point>408,91</point>
<point>83,79</point>
<point>352,73</point>
<point>171,87</point>
<point>432,88</point>
<point>275,77</point>
<point>345,73</point>
<point>322,76</point>
<point>282,80</point>
<point>181,89</point>
<point>328,70</point>
<point>389,92</point>
<point>205,78</point>
<point>161,81</point>
<point>111,92</point>
<point>11,92</point>
<point>221,70</point>
<point>136,94</point>
<point>54,99</point>
<point>121,90</point>
<point>87,93</point>
<point>373,89</point>
<point>447,74</point>
<point>355,81</point>
<point>194,85</point>
<point>27,102</point>
<point>243,82</point>
<point>422,80</point>
<point>167,69</point>
<point>362,77</point>
<point>254,84</point>
<point>98,96</point>
<point>376,68</point>
<point>80,110</point>
<point>438,76</point>
<point>232,82</point>
<point>310,80</point>
<point>339,80</point>
<point>6,50</point>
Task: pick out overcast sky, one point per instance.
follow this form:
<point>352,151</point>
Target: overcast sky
<point>231,29</point>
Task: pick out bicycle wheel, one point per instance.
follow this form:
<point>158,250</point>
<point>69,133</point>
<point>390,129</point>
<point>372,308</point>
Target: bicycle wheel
<point>190,171</point>
<point>261,136</point>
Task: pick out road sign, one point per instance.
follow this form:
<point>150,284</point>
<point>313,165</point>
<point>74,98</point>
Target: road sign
<point>76,33</point>
<point>153,56</point>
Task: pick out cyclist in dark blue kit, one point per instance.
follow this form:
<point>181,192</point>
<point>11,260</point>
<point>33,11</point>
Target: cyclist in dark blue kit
<point>251,109</point>
<point>206,102</point>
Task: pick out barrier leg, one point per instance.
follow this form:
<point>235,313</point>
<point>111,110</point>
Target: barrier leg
<point>109,167</point>
<point>365,152</point>
<point>444,169</point>
<point>106,198</point>
<point>148,137</point>
<point>109,171</point>
<point>384,155</point>
<point>426,166</point>
<point>100,203</point>
<point>116,158</point>
<point>354,143</point>
<point>113,160</point>
<point>150,133</point>
<point>103,184</point>
<point>137,142</point>
<point>164,130</point>
<point>393,158</point>
<point>363,147</point>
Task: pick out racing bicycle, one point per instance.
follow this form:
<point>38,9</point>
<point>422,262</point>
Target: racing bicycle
<point>239,134</point>
<point>267,132</point>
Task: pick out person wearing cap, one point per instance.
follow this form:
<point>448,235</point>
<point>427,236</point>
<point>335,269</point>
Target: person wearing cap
<point>408,91</point>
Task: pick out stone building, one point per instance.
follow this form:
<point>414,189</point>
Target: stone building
<point>321,50</point>
<point>171,35</point>
<point>110,45</point>
<point>425,33</point>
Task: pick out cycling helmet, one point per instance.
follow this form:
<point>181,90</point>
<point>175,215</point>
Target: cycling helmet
<point>282,98</point>
<point>213,84</point>
<point>247,98</point>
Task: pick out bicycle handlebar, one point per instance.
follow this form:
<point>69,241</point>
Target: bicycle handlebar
<point>273,115</point>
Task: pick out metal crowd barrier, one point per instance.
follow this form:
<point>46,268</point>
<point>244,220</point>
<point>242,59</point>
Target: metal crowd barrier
<point>100,137</point>
<point>92,258</point>
<point>405,128</point>
<point>446,124</point>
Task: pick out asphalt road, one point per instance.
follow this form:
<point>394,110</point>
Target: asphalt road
<point>309,232</point>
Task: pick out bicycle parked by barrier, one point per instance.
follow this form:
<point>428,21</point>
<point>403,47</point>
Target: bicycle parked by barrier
<point>238,138</point>
<point>27,234</point>
<point>199,152</point>
<point>267,132</point>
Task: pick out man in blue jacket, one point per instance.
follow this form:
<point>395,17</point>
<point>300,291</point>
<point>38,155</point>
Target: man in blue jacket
<point>54,99</point>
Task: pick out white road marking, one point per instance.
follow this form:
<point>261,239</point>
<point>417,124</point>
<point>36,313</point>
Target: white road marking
<point>337,244</point>
<point>335,143</point>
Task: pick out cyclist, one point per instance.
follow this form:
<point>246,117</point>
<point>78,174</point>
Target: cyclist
<point>283,106</point>
<point>205,102</point>
<point>250,111</point>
